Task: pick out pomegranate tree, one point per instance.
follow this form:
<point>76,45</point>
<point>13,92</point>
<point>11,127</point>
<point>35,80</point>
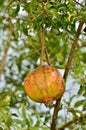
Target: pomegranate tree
<point>44,85</point>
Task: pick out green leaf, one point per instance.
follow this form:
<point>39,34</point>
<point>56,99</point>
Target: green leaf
<point>4,101</point>
<point>17,121</point>
<point>82,90</point>
<point>14,9</point>
<point>39,128</point>
<point>26,117</point>
<point>79,103</point>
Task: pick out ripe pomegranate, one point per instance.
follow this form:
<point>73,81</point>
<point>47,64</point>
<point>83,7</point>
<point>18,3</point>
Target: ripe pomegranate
<point>44,85</point>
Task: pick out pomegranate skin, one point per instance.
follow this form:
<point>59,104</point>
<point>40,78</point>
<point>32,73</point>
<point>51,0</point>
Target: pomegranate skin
<point>44,84</point>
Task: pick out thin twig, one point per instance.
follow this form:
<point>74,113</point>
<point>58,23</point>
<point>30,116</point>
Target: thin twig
<point>10,17</point>
<point>42,37</point>
<point>78,3</point>
<point>20,18</point>
<point>4,59</point>
<point>44,10</point>
<point>72,121</point>
<point>72,51</point>
<point>2,65</point>
<point>37,51</point>
<point>42,43</point>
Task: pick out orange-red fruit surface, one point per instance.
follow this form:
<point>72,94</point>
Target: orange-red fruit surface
<point>44,84</point>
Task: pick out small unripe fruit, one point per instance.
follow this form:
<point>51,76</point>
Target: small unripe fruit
<point>44,85</point>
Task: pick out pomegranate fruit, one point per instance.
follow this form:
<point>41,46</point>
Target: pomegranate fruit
<point>44,85</point>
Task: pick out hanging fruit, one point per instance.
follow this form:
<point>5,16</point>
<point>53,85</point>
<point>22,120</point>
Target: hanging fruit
<point>44,85</point>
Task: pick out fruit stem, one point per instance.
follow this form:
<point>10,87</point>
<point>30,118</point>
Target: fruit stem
<point>47,56</point>
<point>42,44</point>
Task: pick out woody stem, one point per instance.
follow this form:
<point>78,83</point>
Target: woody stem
<point>42,44</point>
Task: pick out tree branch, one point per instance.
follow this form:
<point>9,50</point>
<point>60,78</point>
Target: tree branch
<point>72,121</point>
<point>72,51</point>
<point>21,18</point>
<point>55,113</point>
<point>3,59</point>
<point>78,3</point>
<point>2,65</point>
